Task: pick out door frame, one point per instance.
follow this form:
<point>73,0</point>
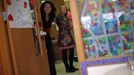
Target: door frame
<point>5,55</point>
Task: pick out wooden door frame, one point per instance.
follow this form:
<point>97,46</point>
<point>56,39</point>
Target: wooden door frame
<point>6,60</point>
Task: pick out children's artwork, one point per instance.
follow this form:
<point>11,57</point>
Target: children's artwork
<point>90,48</point>
<point>132,18</point>
<point>132,5</point>
<point>102,47</point>
<point>94,10</point>
<point>121,5</point>
<point>86,22</point>
<point>93,7</point>
<point>107,6</point>
<point>115,45</point>
<point>90,53</point>
<point>89,7</point>
<point>107,27</point>
<point>85,33</point>
<point>90,17</point>
<point>108,16</point>
<point>127,41</point>
<point>124,22</point>
<point>19,14</point>
<point>111,26</point>
<point>96,28</point>
<point>91,27</point>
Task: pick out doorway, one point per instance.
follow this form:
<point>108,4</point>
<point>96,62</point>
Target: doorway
<point>54,34</point>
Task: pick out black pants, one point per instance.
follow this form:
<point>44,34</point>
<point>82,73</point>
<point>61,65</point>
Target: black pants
<point>51,56</point>
<point>51,61</point>
<point>65,57</point>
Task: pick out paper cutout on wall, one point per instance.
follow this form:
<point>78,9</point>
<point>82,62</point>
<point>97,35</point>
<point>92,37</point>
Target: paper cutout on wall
<point>121,5</point>
<point>90,48</point>
<point>107,6</point>
<point>127,41</point>
<point>25,4</point>
<point>21,15</point>
<point>115,45</point>
<point>111,26</point>
<point>124,22</point>
<point>10,17</point>
<point>102,47</point>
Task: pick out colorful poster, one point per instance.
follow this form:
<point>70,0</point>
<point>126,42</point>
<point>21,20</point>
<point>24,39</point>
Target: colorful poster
<point>90,15</point>
<point>122,8</point>
<point>102,47</point>
<point>86,33</point>
<point>115,45</point>
<point>125,22</point>
<point>132,4</point>
<point>121,5</point>
<point>93,7</point>
<point>96,27</point>
<point>111,26</point>
<point>127,41</point>
<point>132,11</point>
<point>90,48</point>
<point>19,14</point>
<point>107,6</point>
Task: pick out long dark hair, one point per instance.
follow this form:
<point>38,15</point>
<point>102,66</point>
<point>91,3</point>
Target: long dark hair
<point>51,14</point>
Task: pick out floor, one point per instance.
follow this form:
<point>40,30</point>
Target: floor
<point>61,70</point>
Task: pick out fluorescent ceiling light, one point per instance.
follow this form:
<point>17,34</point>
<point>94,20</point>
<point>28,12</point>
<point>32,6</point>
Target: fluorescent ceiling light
<point>42,1</point>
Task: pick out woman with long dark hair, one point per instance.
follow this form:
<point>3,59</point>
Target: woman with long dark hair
<point>48,14</point>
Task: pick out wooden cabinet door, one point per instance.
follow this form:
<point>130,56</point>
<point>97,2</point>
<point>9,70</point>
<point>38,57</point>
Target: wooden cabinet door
<point>25,60</point>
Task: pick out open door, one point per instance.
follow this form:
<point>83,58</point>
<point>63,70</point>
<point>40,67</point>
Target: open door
<point>27,53</point>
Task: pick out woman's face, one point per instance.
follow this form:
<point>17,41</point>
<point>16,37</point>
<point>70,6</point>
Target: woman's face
<point>47,8</point>
<point>63,9</point>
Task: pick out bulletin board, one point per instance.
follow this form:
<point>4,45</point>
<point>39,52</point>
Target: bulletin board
<point>106,27</point>
<point>107,31</point>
